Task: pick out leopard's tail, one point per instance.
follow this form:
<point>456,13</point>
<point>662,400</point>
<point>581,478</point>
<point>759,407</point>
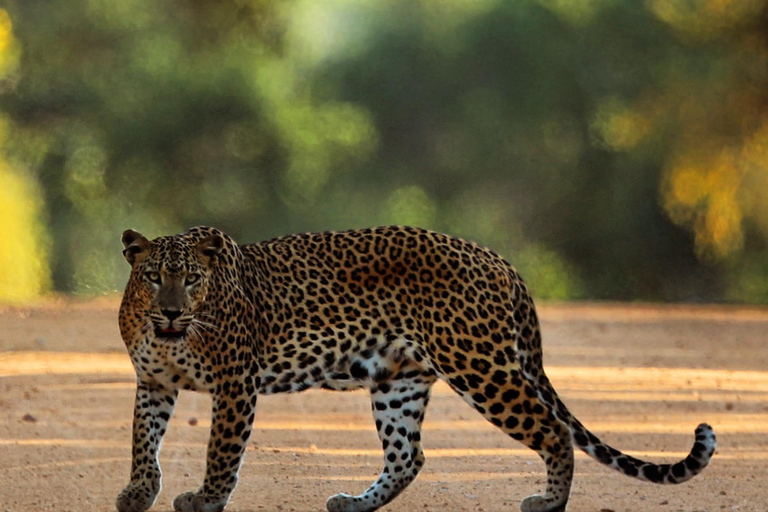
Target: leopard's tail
<point>679,472</point>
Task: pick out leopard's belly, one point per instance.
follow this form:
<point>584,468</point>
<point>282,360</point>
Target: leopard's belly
<point>360,365</point>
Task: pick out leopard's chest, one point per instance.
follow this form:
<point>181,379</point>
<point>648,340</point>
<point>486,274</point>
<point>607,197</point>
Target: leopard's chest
<point>171,365</point>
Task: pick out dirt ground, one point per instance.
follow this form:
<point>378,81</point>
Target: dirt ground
<point>641,377</point>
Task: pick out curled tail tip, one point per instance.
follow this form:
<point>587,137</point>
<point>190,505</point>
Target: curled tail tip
<point>702,451</point>
<point>705,430</point>
<point>705,435</point>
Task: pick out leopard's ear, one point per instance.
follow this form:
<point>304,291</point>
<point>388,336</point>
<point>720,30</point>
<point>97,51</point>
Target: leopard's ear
<point>210,248</point>
<point>135,246</point>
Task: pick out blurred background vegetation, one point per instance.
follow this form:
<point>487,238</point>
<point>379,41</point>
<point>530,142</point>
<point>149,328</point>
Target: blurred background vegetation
<point>610,149</point>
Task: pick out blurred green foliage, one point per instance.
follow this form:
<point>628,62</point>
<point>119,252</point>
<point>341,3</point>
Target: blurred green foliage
<point>609,149</point>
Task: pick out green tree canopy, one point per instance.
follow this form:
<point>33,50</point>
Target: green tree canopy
<point>609,150</point>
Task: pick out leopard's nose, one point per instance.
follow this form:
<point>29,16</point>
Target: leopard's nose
<point>171,314</point>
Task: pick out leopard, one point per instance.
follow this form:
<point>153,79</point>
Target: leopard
<point>388,309</point>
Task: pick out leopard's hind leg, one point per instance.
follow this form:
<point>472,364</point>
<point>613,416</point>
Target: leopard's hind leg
<point>508,400</point>
<point>398,407</point>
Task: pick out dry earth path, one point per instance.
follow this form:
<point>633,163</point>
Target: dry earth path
<point>641,377</point>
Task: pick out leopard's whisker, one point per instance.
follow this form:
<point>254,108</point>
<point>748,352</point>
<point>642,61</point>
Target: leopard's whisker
<point>204,324</point>
<point>194,330</point>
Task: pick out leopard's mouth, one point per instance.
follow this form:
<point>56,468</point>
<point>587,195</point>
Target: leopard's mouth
<point>170,333</point>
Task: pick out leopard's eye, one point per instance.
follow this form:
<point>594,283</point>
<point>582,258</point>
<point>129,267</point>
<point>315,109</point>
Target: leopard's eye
<point>153,277</point>
<point>192,279</point>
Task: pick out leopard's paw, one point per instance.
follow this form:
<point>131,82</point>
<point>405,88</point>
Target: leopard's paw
<point>137,497</point>
<point>195,501</point>
<point>538,503</point>
<point>345,503</point>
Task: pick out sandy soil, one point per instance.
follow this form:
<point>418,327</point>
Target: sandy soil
<point>641,377</point>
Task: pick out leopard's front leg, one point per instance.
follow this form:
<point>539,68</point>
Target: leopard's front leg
<point>234,406</point>
<point>152,410</point>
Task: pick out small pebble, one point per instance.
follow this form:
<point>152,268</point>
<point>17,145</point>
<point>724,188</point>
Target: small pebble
<point>28,417</point>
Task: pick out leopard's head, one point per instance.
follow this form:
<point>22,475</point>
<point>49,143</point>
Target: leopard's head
<point>170,278</point>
